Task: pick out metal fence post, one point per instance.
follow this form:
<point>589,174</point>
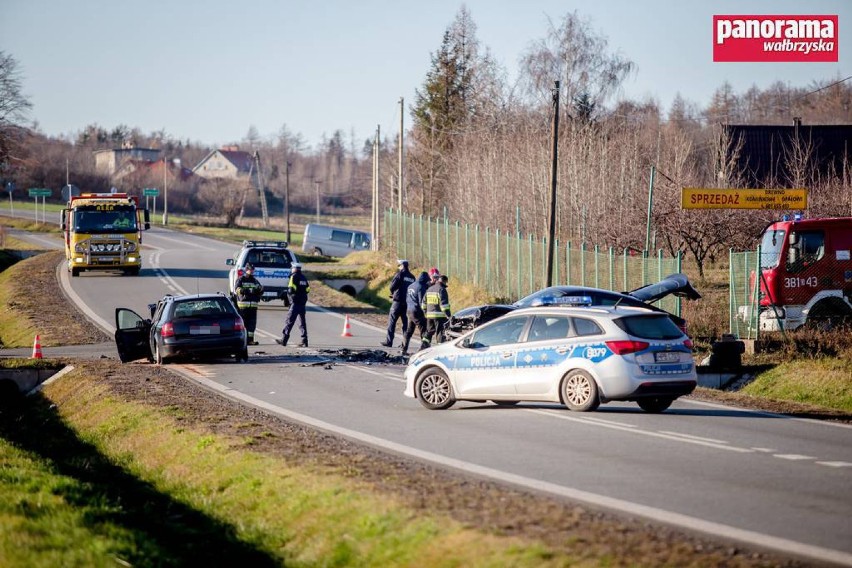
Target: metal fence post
<point>583,263</point>
<point>476,264</point>
<point>597,271</point>
<point>624,284</point>
<point>568,263</point>
<point>532,272</point>
<point>611,263</point>
<point>518,260</point>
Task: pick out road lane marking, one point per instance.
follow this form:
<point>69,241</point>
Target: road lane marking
<point>167,280</point>
<point>835,464</point>
<point>763,413</point>
<point>670,518</point>
<point>695,437</point>
<point>765,450</point>
<point>64,279</point>
<point>616,426</point>
<point>377,373</point>
<point>184,242</point>
<point>793,457</point>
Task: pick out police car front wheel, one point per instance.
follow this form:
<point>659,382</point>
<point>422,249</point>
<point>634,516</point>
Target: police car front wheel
<point>579,391</point>
<point>434,389</point>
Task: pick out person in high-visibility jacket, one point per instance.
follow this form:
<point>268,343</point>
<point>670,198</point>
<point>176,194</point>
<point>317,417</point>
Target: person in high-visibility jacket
<point>298,290</point>
<point>436,306</point>
<point>248,292</point>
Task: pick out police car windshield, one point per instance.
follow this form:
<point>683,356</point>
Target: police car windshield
<point>268,259</point>
<point>650,327</point>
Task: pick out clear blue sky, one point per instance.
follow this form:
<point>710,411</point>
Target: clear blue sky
<point>208,70</point>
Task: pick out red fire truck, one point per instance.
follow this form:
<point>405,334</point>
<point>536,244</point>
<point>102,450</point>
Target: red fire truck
<point>806,274</point>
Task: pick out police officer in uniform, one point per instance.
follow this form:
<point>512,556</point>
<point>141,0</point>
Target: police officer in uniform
<point>249,292</point>
<point>398,287</point>
<point>416,317</point>
<point>298,289</point>
<point>436,306</point>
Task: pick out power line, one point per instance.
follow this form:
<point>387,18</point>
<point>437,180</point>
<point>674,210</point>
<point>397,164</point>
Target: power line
<point>822,88</point>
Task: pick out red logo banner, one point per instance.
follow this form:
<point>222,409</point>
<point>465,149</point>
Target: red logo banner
<point>775,38</point>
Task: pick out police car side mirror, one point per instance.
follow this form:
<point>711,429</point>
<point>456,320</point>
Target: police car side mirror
<point>230,262</point>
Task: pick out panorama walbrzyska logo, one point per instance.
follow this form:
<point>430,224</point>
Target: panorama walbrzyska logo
<point>775,38</point>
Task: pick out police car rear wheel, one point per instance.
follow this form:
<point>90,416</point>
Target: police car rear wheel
<point>579,391</point>
<point>434,390</point>
<point>655,405</point>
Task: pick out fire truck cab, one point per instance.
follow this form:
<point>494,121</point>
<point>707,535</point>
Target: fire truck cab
<point>103,231</point>
<point>806,274</point>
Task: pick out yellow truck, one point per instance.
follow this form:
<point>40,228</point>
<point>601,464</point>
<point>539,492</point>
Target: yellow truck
<point>103,231</point>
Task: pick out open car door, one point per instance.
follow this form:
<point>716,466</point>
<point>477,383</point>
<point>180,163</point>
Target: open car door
<point>131,336</point>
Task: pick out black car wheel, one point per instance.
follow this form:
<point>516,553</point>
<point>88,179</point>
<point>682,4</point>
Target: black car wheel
<point>579,391</point>
<point>242,356</point>
<point>434,389</point>
<point>656,404</point>
<point>505,402</point>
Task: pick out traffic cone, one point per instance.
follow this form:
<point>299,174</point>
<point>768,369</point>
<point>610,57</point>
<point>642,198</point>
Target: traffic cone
<point>37,348</point>
<point>346,328</point>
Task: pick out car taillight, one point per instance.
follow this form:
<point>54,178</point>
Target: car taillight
<point>168,330</point>
<point>688,343</point>
<point>627,347</point>
<point>239,272</point>
<point>238,324</point>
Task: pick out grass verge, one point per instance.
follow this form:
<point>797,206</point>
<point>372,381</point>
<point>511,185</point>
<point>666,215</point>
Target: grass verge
<point>92,480</point>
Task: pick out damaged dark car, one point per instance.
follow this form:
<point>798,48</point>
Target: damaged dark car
<point>675,284</point>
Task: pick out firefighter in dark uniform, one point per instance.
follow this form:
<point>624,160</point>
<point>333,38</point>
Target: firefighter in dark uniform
<point>436,306</point>
<point>298,289</point>
<point>248,292</point>
<point>416,317</point>
<point>398,287</point>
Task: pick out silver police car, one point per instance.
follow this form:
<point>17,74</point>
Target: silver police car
<point>576,355</point>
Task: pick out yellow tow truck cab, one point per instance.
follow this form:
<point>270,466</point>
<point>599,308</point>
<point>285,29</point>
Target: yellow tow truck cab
<point>103,231</point>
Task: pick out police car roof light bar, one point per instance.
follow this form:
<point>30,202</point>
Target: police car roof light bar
<point>277,244</point>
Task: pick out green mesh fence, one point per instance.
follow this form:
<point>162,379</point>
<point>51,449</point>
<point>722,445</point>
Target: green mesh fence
<point>509,266</point>
<point>744,294</point>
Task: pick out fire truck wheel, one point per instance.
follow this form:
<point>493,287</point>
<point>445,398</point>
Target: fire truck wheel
<point>829,314</point>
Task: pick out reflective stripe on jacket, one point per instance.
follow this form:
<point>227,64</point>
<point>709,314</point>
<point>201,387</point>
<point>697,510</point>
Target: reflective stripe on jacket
<point>436,302</point>
<point>248,291</point>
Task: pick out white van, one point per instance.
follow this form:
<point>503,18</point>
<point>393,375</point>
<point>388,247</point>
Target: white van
<point>333,241</point>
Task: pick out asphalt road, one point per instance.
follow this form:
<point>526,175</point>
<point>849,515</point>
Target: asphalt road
<point>769,481</point>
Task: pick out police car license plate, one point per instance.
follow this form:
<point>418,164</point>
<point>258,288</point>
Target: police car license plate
<point>204,330</point>
<point>666,357</point>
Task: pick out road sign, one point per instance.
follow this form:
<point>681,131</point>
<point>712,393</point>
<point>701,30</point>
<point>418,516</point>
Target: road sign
<point>40,192</point>
<point>150,192</point>
<point>704,198</point>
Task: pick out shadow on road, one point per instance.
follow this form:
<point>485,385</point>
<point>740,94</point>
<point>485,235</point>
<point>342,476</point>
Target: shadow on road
<point>165,532</point>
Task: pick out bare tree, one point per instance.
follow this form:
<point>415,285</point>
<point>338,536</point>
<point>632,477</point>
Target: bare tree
<point>14,106</point>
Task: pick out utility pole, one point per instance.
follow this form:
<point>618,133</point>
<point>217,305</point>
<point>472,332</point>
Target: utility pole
<point>400,178</point>
<point>165,191</point>
<point>375,229</point>
<point>317,182</point>
<point>287,199</point>
<point>554,155</point>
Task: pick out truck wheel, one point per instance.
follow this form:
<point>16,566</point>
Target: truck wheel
<point>317,251</point>
<point>132,271</point>
<point>829,314</point>
<point>75,272</point>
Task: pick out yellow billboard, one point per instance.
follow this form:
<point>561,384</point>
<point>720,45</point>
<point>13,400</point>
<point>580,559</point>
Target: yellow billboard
<point>710,198</point>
